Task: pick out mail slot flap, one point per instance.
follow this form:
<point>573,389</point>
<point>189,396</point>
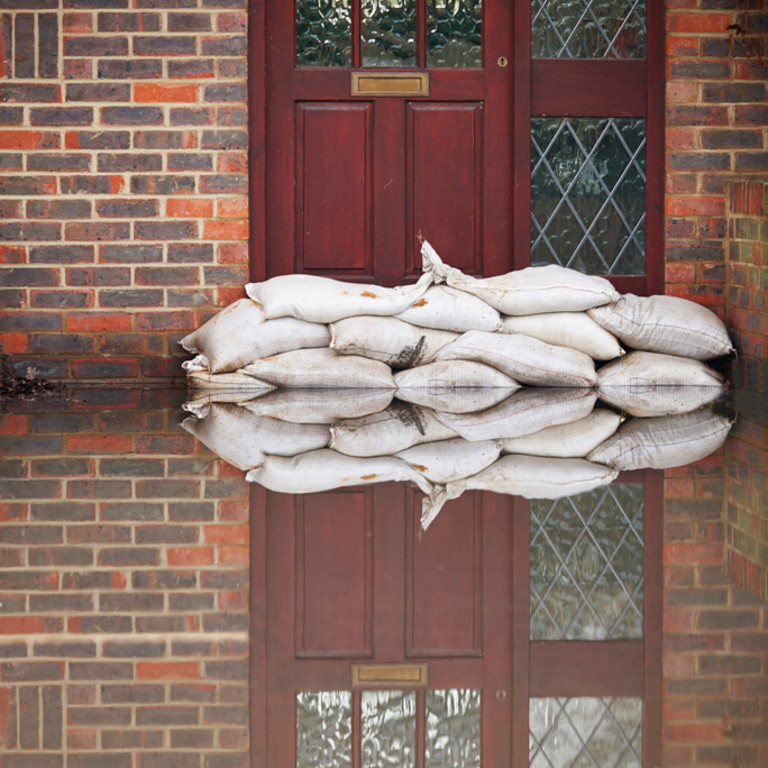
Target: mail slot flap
<point>389,675</point>
<point>389,84</point>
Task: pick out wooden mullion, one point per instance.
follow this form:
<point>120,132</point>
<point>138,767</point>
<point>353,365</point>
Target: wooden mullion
<point>356,31</point>
<point>421,34</point>
<point>357,729</point>
<point>421,729</point>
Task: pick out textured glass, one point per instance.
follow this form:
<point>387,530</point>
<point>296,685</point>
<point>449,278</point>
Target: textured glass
<point>588,29</point>
<point>454,33</point>
<point>323,33</point>
<point>587,565</point>
<point>388,33</point>
<point>388,729</point>
<point>600,733</point>
<point>453,728</point>
<point>323,729</point>
<point>588,194</point>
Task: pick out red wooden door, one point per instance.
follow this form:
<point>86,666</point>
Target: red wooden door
<point>355,173</point>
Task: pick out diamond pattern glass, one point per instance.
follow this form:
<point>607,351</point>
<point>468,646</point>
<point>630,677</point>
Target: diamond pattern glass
<point>323,33</point>
<point>453,728</point>
<point>600,733</point>
<point>588,194</point>
<point>587,565</point>
<point>388,729</point>
<point>588,29</point>
<point>388,33</point>
<point>454,33</point>
<point>323,729</point>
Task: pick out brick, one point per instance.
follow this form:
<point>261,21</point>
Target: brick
<point>31,671</point>
<point>93,185</point>
<point>134,162</point>
<point>109,45</point>
<point>165,715</point>
<point>29,93</point>
<point>102,670</point>
<point>134,649</point>
<point>128,22</point>
<point>162,94</point>
<point>132,694</point>
<point>157,45</point>
<point>132,115</point>
<point>229,45</point>
<point>61,254</point>
<point>189,68</point>
<point>162,185</point>
<point>130,69</point>
<point>126,209</point>
<point>130,254</point>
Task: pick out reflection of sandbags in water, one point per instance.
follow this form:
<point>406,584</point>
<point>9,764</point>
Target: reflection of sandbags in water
<point>224,387</point>
<point>242,439</point>
<point>664,441</point>
<point>525,412</point>
<point>528,291</point>
<point>450,460</point>
<point>455,386</point>
<point>394,429</point>
<point>450,310</point>
<point>576,330</point>
<point>320,406</point>
<point>532,477</point>
<point>573,440</point>
<point>644,370</point>
<point>324,470</point>
<point>525,359</point>
<point>659,401</point>
<point>667,324</point>
<point>321,368</point>
<point>325,300</point>
<point>389,340</point>
<point>239,334</point>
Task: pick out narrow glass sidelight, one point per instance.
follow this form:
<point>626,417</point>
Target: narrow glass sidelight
<point>588,29</point>
<point>324,729</point>
<point>323,33</point>
<point>588,194</point>
<point>388,29</point>
<point>454,33</point>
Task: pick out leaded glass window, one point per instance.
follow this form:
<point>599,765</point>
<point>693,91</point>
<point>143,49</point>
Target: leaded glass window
<point>588,29</point>
<point>388,33</point>
<point>323,33</point>
<point>454,33</point>
<point>453,728</point>
<point>588,194</point>
<point>587,565</point>
<point>324,729</point>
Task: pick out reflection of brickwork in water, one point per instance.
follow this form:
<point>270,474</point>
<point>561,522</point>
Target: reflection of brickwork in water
<point>123,589</point>
<point>715,634</point>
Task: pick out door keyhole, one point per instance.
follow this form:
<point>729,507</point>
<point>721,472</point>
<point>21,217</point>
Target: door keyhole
<point>502,61</point>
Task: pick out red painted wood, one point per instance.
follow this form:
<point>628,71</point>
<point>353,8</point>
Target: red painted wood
<point>333,187</point>
<point>445,182</point>
<point>257,659</point>
<point>588,88</point>
<point>443,582</point>
<point>334,589</point>
<point>257,144</point>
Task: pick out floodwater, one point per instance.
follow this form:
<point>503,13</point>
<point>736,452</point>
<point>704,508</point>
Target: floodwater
<point>156,608</point>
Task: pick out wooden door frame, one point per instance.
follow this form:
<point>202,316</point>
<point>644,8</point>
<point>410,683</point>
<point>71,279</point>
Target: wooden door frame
<point>526,101</point>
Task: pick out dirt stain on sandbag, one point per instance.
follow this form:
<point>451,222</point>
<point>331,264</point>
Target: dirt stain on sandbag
<point>420,303</point>
<point>368,477</point>
<point>409,356</point>
<point>368,295</point>
<point>408,416</point>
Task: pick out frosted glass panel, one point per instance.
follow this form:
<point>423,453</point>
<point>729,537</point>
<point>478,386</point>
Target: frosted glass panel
<point>323,33</point>
<point>585,732</point>
<point>454,33</point>
<point>587,565</point>
<point>453,728</point>
<point>588,29</point>
<point>323,729</point>
<point>588,194</point>
<point>388,729</point>
<point>388,33</point>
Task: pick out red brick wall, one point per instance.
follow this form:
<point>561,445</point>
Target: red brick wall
<point>123,589</point>
<point>123,207</point>
<point>717,113</point>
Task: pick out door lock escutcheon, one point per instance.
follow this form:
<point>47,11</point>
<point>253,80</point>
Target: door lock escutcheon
<point>502,61</point>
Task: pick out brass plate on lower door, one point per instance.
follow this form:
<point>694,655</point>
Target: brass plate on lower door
<point>389,84</point>
<point>390,675</point>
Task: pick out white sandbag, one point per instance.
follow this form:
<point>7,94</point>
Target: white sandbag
<point>239,334</point>
<point>532,477</point>
<point>573,440</point>
<point>391,341</point>
<point>576,330</point>
<point>451,310</point>
<point>394,429</point>
<point>198,380</point>
<point>667,324</point>
<point>523,413</point>
<point>325,470</point>
<point>325,300</point>
<point>242,439</point>
<point>655,400</point>
<point>455,386</point>
<point>641,370</point>
<point>663,442</point>
<point>526,291</point>
<point>524,359</point>
<point>320,406</point>
<point>450,460</point>
<point>321,368</point>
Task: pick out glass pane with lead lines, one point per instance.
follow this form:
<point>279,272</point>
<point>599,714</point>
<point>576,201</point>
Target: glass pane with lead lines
<point>588,29</point>
<point>585,732</point>
<point>588,194</point>
<point>587,557</point>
